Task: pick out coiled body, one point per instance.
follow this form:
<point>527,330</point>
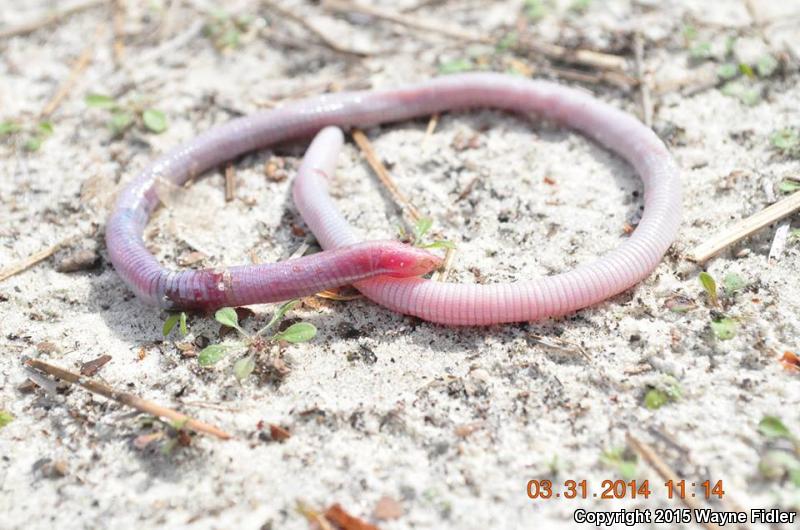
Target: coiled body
<point>455,304</point>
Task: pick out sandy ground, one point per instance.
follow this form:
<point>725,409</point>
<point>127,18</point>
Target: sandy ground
<point>450,424</point>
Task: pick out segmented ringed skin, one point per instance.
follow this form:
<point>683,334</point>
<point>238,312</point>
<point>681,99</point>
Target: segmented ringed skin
<point>438,302</point>
<point>462,304</point>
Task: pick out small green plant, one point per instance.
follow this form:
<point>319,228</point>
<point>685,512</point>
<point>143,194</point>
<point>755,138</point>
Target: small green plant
<point>789,186</point>
<point>786,141</point>
<point>617,458</point>
<point>34,135</point>
<point>658,396</point>
<point>125,115</point>
<point>5,418</point>
<point>724,328</point>
<point>732,282</point>
<point>700,51</point>
<point>744,92</point>
<point>226,31</point>
<point>766,66</point>
<point>173,320</point>
<point>421,229</point>
<point>457,65</point>
<point>776,464</point>
<point>256,343</point>
<point>773,427</point>
<point>580,6</point>
<point>535,10</point>
<point>710,286</point>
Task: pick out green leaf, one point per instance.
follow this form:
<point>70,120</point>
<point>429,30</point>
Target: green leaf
<point>211,354</point>
<point>700,51</point>
<point>579,6</point>
<point>750,97</point>
<point>244,367</point>
<point>535,9</point>
<point>421,228</point>
<point>300,332</point>
<point>5,418</point>
<point>155,120</point>
<point>727,71</point>
<point>785,140</point>
<point>710,286</point>
<point>508,41</point>
<point>184,330</point>
<point>773,427</point>
<point>439,244</point>
<point>45,128</point>
<point>614,458</point>
<point>766,66</point>
<point>775,464</point>
<point>119,122</point>
<point>8,127</point>
<point>724,328</point>
<point>689,33</point>
<point>278,315</point>
<point>34,143</point>
<point>655,399</point>
<point>789,186</point>
<point>100,101</point>
<point>732,282</point>
<point>169,324</point>
<point>455,66</point>
<point>747,70</point>
<point>227,317</point>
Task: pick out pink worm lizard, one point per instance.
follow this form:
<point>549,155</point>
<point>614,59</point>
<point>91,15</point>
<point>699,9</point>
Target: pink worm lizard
<point>366,265</point>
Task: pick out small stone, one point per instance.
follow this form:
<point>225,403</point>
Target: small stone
<point>387,508</point>
<point>78,261</point>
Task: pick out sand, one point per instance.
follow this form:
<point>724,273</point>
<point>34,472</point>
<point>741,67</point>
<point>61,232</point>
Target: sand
<point>449,423</point>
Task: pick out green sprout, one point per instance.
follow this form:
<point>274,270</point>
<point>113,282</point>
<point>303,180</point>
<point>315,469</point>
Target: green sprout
<point>256,343</point>
<point>724,328</point>
<point>710,286</point>
<point>658,396</point>
<point>580,6</point>
<point>225,31</point>
<point>535,10</point>
<point>172,321</point>
<point>786,141</point>
<point>456,65</point>
<point>125,115</point>
<point>5,418</point>
<point>424,226</point>
<point>776,464</point>
<point>34,135</point>
<point>773,427</point>
<point>618,459</point>
<point>732,282</point>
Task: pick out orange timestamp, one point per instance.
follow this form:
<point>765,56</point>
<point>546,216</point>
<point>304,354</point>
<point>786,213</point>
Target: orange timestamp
<point>620,489</point>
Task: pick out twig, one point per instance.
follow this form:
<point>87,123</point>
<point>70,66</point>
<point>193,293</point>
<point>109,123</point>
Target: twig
<point>118,23</point>
<point>744,228</point>
<point>553,52</point>
<point>644,85</point>
<point>662,468</point>
<point>320,35</point>
<point>32,260</point>
<point>432,123</point>
<point>230,182</point>
<point>130,400</point>
<point>468,188</point>
<point>77,69</point>
<point>447,265</point>
<point>384,176</point>
<point>51,18</point>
